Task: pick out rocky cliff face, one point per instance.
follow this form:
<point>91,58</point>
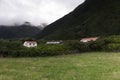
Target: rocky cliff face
<point>92,18</point>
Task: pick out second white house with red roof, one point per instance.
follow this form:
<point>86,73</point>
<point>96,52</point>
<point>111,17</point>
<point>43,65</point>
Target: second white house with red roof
<point>89,39</point>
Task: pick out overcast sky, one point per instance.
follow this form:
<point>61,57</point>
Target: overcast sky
<point>35,11</point>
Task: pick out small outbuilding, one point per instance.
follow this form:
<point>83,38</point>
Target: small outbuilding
<point>54,42</point>
<point>30,44</point>
<point>89,39</point>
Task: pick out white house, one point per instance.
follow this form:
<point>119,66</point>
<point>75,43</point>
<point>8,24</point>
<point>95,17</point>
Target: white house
<point>30,44</point>
<point>89,39</point>
<point>53,42</point>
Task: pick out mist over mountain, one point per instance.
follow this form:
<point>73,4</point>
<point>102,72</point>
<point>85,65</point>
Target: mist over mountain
<point>34,11</point>
<point>25,30</point>
<point>92,18</point>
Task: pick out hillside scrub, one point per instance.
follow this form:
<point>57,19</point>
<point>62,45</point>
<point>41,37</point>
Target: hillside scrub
<point>92,18</point>
<point>15,48</point>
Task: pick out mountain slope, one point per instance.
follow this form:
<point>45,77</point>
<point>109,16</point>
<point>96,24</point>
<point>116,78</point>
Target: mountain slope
<point>92,18</point>
<point>22,31</point>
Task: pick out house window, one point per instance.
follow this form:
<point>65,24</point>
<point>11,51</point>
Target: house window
<point>29,43</point>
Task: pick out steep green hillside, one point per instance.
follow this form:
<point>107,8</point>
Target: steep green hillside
<point>92,18</point>
<point>22,31</point>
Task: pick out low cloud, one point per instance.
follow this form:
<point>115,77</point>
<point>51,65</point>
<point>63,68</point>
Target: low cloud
<point>34,11</point>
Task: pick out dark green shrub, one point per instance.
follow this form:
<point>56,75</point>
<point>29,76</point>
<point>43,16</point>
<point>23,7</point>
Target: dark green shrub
<point>77,45</point>
<point>14,48</point>
<point>113,47</point>
<point>97,45</point>
<point>111,39</point>
<point>50,50</point>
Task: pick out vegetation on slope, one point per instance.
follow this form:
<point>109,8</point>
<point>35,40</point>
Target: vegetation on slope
<point>15,48</point>
<point>18,31</point>
<point>92,18</point>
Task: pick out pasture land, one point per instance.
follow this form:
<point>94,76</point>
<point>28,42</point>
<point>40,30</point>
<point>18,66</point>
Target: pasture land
<point>85,66</point>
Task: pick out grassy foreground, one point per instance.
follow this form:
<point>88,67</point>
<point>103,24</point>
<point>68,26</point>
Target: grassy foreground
<point>87,66</point>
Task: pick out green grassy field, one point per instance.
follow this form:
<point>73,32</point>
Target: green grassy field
<point>87,66</point>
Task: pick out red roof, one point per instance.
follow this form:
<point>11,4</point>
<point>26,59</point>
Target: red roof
<point>30,41</point>
<point>89,39</point>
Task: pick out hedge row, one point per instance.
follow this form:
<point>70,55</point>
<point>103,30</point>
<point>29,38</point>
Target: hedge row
<point>13,48</point>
